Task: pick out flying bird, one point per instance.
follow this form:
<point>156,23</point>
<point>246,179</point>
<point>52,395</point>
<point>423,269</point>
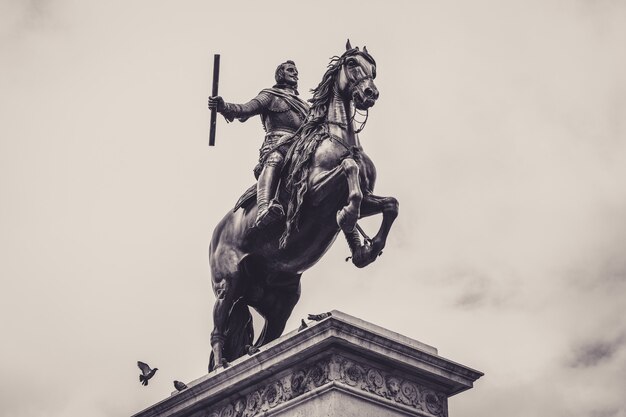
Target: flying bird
<point>146,372</point>
<point>180,386</point>
<point>302,325</point>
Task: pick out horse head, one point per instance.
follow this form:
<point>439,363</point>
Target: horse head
<point>355,77</point>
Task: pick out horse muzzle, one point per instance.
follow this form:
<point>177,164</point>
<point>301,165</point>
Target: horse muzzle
<point>364,96</point>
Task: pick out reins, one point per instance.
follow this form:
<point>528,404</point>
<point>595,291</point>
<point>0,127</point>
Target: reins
<point>352,119</point>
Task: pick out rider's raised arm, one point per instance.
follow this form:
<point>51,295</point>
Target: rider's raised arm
<point>243,112</point>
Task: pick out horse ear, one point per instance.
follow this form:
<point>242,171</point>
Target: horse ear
<point>365,49</point>
<point>348,46</point>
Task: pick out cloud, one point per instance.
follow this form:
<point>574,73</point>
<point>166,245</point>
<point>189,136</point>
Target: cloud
<point>20,17</point>
<point>594,353</point>
<point>481,286</point>
<point>605,412</point>
<point>477,289</point>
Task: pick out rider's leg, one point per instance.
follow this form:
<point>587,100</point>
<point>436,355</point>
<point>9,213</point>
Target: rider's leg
<point>269,211</point>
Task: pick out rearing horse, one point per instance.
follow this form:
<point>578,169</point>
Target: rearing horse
<point>327,187</point>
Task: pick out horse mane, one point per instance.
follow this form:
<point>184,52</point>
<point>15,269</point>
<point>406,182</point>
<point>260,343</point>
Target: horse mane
<point>308,137</point>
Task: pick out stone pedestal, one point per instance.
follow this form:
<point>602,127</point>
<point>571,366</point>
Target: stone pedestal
<point>338,367</point>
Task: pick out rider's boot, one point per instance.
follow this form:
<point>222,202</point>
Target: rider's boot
<point>268,210</point>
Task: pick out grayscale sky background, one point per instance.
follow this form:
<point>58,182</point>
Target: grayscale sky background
<point>501,128</point>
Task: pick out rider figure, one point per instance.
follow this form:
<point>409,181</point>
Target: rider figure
<point>282,112</point>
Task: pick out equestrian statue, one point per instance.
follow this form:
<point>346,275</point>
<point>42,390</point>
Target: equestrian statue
<point>314,182</point>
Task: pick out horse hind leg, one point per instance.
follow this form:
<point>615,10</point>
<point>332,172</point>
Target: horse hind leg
<point>227,288</point>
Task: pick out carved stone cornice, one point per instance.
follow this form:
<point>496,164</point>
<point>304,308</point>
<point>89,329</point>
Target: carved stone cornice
<point>340,372</point>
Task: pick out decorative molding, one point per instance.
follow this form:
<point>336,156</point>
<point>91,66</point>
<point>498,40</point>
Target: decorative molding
<point>391,387</point>
<point>338,369</point>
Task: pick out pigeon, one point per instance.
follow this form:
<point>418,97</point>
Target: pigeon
<point>319,317</point>
<point>302,325</point>
<point>180,386</point>
<point>146,373</point>
<point>251,349</point>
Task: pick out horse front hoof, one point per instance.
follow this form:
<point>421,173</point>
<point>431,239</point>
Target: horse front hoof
<point>346,220</point>
<point>365,255</point>
<point>361,258</point>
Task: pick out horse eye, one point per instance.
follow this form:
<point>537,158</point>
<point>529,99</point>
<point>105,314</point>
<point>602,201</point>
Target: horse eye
<point>351,63</point>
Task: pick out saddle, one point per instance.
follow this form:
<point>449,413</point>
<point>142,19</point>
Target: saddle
<point>247,199</point>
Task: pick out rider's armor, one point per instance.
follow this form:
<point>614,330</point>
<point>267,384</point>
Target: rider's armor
<point>282,112</point>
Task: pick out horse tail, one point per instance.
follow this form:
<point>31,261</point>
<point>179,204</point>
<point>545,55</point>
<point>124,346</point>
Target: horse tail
<point>239,332</point>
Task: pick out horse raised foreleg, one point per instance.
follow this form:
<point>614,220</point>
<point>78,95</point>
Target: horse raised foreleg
<point>349,214</point>
<point>388,206</point>
<point>363,255</point>
<point>325,185</point>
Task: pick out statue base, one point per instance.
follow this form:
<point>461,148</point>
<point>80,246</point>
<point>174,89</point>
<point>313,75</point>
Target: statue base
<point>340,366</point>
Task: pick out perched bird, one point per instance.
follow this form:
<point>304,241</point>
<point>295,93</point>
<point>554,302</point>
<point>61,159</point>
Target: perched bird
<point>302,325</point>
<point>146,373</point>
<point>180,386</point>
<point>319,317</point>
<point>251,349</point>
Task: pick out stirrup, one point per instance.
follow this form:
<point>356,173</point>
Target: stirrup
<point>270,215</point>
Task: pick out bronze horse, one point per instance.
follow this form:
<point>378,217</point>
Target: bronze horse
<point>327,186</point>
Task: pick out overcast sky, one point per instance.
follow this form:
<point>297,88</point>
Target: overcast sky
<point>501,129</point>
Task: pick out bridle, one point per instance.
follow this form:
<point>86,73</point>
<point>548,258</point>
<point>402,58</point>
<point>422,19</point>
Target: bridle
<point>354,83</point>
<point>352,119</point>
